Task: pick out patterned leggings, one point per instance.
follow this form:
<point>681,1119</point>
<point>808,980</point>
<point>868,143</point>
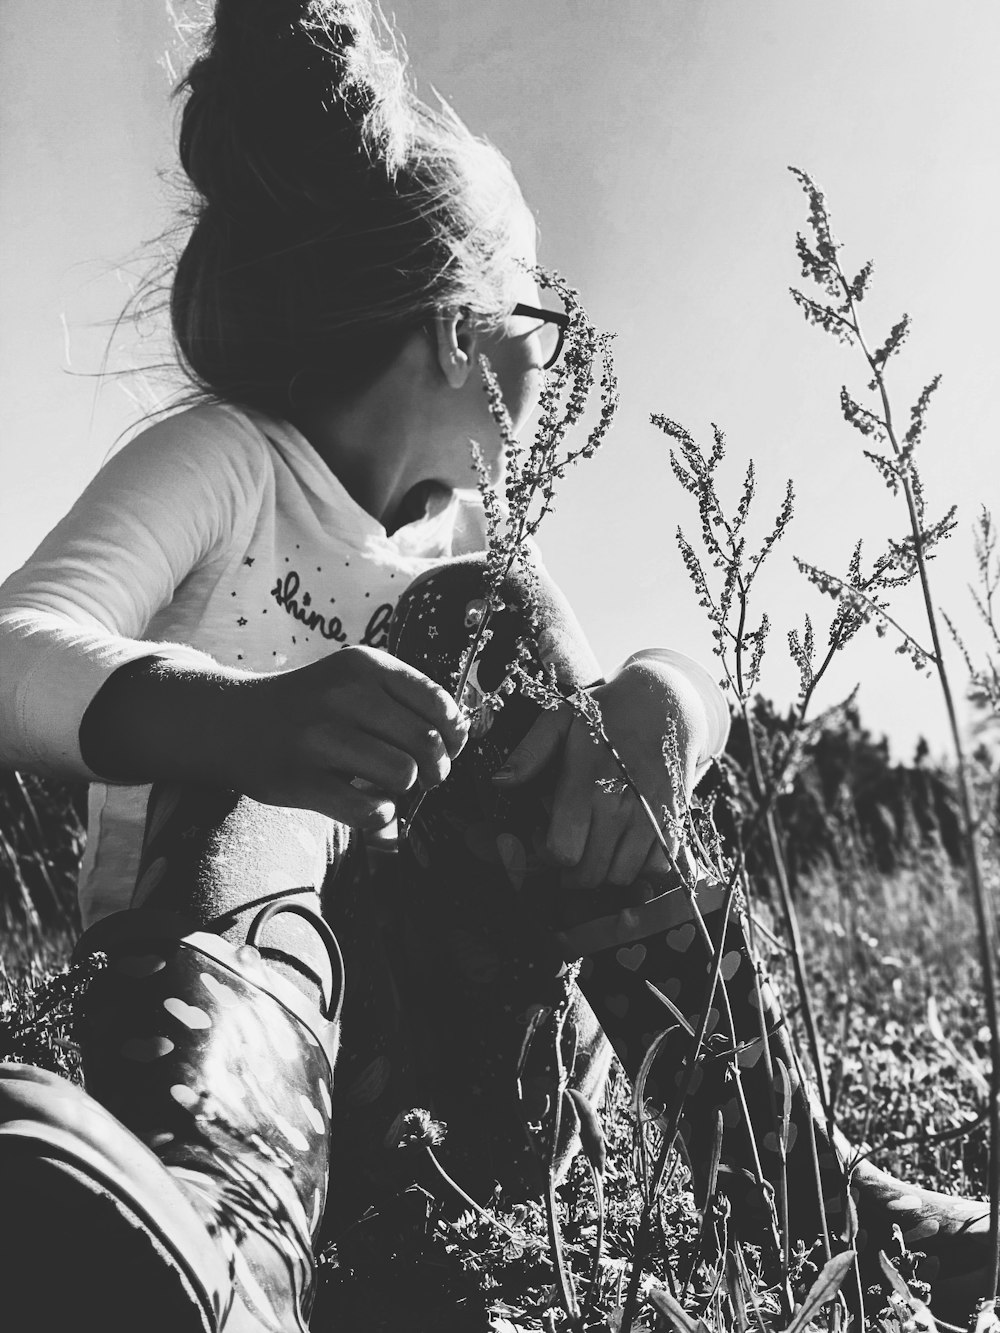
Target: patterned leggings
<point>464,939</point>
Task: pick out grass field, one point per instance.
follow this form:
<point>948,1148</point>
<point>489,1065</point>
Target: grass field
<point>894,978</point>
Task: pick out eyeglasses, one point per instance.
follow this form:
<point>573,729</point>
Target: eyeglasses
<point>552,328</point>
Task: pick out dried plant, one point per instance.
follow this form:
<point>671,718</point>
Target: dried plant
<point>905,560</point>
<point>533,471</point>
<point>723,568</point>
<point>984,677</point>
<point>723,575</point>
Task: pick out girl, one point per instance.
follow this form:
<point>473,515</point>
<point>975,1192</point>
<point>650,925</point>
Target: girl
<point>213,617</point>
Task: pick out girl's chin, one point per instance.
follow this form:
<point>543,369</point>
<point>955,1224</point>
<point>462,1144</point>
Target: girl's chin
<point>494,472</point>
<point>422,499</point>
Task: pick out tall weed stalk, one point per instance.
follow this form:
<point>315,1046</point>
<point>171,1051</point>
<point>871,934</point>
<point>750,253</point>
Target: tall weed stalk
<point>905,560</point>
<point>723,574</point>
<point>530,476</point>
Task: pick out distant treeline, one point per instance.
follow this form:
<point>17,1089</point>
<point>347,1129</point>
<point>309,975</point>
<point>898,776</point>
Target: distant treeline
<point>846,800</point>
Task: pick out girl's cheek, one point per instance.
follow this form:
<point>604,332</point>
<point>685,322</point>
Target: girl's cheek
<point>531,388</point>
<point>520,384</point>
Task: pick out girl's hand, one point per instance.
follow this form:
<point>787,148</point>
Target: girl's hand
<point>360,714</point>
<point>600,836</point>
<point>297,738</point>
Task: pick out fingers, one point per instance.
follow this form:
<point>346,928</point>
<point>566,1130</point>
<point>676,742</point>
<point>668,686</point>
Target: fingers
<point>637,853</point>
<point>607,815</point>
<point>599,836</point>
<point>657,867</point>
<point>621,845</point>
<point>357,754</point>
<point>371,700</point>
<point>429,702</point>
<point>543,740</point>
<point>422,748</point>
<point>574,795</point>
<point>336,797</point>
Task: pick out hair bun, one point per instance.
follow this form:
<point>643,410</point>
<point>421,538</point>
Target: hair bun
<point>337,210</point>
<point>285,95</point>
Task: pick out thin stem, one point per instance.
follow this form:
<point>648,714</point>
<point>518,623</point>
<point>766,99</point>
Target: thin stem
<point>564,1282</point>
<point>473,651</point>
<point>772,1099</point>
<point>467,1199</point>
<point>595,1266</point>
<point>40,858</point>
<point>984,914</point>
<point>740,690</point>
<point>797,955</point>
<point>670,1132</point>
<point>879,611</point>
<point>788,908</point>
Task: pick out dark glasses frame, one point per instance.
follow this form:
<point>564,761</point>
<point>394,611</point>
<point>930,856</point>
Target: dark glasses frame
<point>557,317</point>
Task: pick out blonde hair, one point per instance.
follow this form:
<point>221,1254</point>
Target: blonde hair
<point>334,211</point>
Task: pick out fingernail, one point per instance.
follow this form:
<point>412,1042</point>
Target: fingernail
<point>382,814</point>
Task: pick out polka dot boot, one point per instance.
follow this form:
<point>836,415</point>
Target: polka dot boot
<point>96,1223</point>
<point>224,1070</point>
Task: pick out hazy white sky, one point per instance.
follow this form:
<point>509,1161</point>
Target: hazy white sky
<point>651,139</point>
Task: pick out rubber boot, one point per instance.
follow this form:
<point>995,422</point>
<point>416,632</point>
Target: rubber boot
<point>99,1233</point>
<point>224,1069</point>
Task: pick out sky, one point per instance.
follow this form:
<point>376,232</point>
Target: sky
<point>651,139</point>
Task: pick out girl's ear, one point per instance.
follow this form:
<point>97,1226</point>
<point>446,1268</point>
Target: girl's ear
<point>457,343</point>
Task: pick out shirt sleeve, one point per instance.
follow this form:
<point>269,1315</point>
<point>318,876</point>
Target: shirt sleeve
<point>76,611</point>
<point>711,696</point>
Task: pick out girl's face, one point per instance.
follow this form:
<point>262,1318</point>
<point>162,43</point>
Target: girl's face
<point>517,350</point>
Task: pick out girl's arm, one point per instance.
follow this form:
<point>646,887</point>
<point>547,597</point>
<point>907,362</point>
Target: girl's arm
<point>81,694</point>
<point>297,738</point>
<point>711,740</point>
<point>75,613</point>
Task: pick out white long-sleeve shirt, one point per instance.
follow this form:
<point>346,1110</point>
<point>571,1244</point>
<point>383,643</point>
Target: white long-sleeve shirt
<point>216,537</point>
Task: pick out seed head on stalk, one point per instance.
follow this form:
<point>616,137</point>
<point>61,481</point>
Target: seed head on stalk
<point>906,559</point>
<point>533,471</point>
<point>984,676</point>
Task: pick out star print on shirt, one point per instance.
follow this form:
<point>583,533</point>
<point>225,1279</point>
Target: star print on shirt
<point>248,559</point>
<point>242,621</point>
